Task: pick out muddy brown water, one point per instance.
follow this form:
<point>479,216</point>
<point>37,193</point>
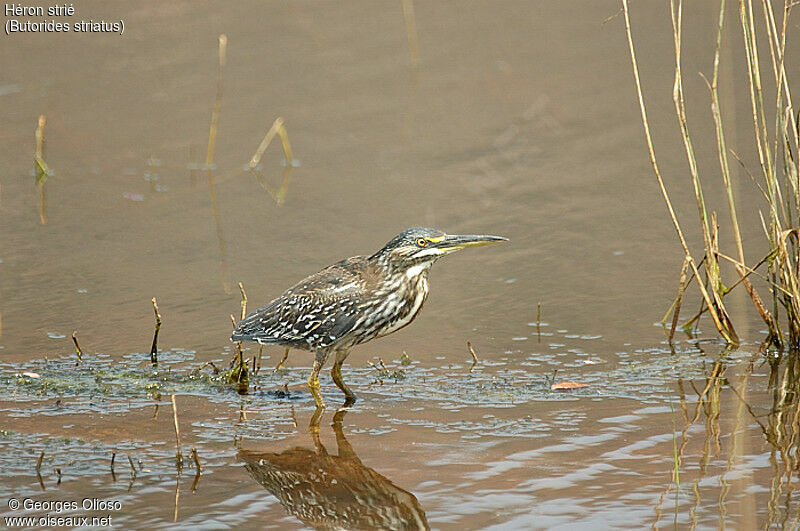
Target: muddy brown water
<point>519,119</point>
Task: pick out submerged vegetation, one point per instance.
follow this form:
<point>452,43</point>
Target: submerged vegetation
<point>776,140</point>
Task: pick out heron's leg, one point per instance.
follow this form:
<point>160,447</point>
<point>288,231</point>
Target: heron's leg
<point>313,379</point>
<point>336,373</point>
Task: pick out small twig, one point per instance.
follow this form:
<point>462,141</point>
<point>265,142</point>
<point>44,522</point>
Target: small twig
<point>611,17</point>
<point>383,365</point>
<point>113,457</point>
<point>41,169</point>
<point>258,359</point>
<point>178,454</point>
<point>133,468</point>
<point>206,364</point>
<point>239,354</point>
<point>278,128</point>
<point>78,350</point>
<point>539,321</point>
<point>244,300</point>
<point>681,289</point>
<point>749,174</point>
<point>474,357</point>
<point>40,136</point>
<point>287,147</point>
<point>193,455</point>
<point>39,462</point>
<point>279,366</point>
<point>256,158</point>
<point>239,374</point>
<point>154,348</point>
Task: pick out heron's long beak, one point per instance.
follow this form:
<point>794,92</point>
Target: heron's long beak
<point>454,242</point>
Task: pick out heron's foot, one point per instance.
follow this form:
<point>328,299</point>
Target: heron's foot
<point>336,374</point>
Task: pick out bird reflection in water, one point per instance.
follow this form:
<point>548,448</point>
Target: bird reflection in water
<point>328,491</point>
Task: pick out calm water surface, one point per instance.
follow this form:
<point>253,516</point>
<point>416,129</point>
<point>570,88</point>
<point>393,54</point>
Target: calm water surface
<point>518,119</point>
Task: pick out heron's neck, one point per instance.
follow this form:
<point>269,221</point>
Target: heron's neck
<point>402,269</point>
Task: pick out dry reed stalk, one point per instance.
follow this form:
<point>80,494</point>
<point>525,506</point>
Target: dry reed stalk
<point>716,286</point>
<point>178,453</point>
<point>681,289</point>
<point>239,354</point>
<point>474,357</point>
<point>278,128</point>
<point>133,468</point>
<point>78,350</point>
<point>39,462</point>
<point>41,169</point>
<point>204,365</point>
<point>783,214</point>
<point>760,130</point>
<point>279,366</point>
<point>722,151</point>
<point>539,321</point>
<point>779,172</point>
<point>706,297</point>
<point>154,347</point>
<point>244,300</point>
<point>196,459</point>
<point>287,146</point>
<point>258,359</point>
<point>238,373</point>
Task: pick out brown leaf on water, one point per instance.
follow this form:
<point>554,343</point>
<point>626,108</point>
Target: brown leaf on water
<point>565,386</point>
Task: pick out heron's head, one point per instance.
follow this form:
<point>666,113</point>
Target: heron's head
<point>423,246</point>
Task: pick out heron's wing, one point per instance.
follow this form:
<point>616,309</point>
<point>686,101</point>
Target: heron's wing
<point>314,313</point>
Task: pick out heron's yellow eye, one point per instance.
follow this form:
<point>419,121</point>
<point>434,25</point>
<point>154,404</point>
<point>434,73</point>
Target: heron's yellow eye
<point>422,242</point>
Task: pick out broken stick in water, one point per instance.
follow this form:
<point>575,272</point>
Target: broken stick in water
<point>78,350</point>
<point>154,348</point>
<point>279,366</point>
<point>178,454</point>
<point>474,357</point>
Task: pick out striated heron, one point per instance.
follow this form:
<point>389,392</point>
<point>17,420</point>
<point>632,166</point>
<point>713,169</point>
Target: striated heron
<point>354,300</point>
